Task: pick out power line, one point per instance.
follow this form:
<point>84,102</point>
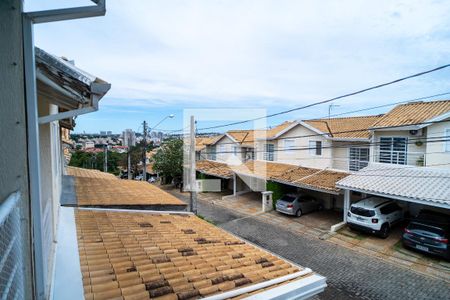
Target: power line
<point>337,132</point>
<point>331,99</point>
<point>367,144</point>
<point>348,112</point>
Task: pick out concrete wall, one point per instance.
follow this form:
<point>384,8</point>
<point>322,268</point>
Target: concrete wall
<point>13,130</point>
<point>414,151</point>
<point>436,152</point>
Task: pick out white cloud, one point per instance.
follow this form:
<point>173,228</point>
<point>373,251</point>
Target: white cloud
<point>249,53</point>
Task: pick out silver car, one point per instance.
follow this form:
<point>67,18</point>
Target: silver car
<point>296,205</point>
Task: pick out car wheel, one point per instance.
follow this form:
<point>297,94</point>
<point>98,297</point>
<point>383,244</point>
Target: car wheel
<point>298,213</point>
<point>384,231</point>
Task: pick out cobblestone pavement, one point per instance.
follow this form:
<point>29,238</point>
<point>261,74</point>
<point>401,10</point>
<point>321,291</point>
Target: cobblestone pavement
<point>350,275</point>
<point>318,224</point>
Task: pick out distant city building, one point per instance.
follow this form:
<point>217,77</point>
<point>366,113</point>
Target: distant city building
<point>129,138</point>
<point>102,132</point>
<point>88,144</point>
<point>109,132</point>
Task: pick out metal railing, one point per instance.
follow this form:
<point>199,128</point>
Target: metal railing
<point>12,285</point>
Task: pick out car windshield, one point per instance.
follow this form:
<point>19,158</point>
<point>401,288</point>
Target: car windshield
<point>287,198</point>
<point>431,229</point>
<point>362,211</point>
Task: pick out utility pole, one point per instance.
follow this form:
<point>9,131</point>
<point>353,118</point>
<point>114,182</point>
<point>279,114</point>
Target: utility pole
<point>105,164</point>
<point>129,163</point>
<point>144,159</point>
<point>192,173</point>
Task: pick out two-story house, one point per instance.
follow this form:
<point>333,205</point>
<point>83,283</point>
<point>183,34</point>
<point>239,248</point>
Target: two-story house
<point>332,143</point>
<point>414,134</point>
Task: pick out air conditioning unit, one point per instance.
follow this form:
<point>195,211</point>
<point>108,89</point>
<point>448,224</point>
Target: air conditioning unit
<point>418,132</point>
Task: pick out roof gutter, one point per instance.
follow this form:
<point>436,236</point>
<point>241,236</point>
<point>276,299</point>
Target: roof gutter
<point>71,113</point>
<point>261,285</point>
<point>54,15</point>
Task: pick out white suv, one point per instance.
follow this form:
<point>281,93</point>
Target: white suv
<point>374,215</point>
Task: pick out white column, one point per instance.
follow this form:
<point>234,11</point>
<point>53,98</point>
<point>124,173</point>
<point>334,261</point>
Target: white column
<point>346,203</point>
<point>267,201</point>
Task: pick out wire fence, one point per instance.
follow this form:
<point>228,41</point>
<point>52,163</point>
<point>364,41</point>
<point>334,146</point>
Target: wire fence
<point>12,285</point>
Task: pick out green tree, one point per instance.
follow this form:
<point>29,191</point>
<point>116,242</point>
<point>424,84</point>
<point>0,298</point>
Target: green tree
<point>168,160</point>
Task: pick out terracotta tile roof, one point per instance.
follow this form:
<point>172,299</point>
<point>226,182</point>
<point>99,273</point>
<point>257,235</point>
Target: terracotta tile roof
<point>271,133</point>
<point>244,137</point>
<point>130,255</point>
<point>247,137</point>
<point>262,169</point>
<point>413,113</point>
<point>80,172</point>
<point>347,128</point>
<point>214,168</point>
<point>324,180</point>
<point>107,192</point>
<point>202,141</point>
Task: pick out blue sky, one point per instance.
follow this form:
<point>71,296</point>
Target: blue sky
<point>165,56</point>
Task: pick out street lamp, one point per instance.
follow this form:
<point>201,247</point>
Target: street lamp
<point>144,159</point>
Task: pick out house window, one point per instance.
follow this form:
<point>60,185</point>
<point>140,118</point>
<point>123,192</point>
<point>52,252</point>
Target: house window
<point>359,158</point>
<point>289,146</point>
<point>235,150</point>
<point>393,150</point>
<point>222,150</point>
<point>213,153</point>
<point>447,138</point>
<point>269,151</point>
<point>249,154</point>
<point>315,148</point>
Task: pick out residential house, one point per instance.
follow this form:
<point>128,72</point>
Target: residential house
<point>238,146</point>
<point>332,143</point>
<point>415,134</point>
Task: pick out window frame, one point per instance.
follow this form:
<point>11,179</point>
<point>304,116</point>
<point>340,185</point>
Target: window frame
<point>358,162</point>
<point>289,149</point>
<point>269,152</point>
<point>447,137</point>
<point>314,148</point>
<point>393,160</point>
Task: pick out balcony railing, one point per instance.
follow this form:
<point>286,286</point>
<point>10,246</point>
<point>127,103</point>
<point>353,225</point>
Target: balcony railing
<point>12,285</point>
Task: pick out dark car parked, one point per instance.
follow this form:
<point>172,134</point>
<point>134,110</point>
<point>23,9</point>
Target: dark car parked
<point>429,232</point>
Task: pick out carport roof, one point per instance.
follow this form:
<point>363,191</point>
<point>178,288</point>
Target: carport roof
<point>429,186</point>
<point>214,168</point>
<point>322,180</point>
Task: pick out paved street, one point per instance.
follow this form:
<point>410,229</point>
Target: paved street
<point>350,275</point>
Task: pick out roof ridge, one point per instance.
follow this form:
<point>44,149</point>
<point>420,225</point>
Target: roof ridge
<point>341,118</point>
<point>421,102</point>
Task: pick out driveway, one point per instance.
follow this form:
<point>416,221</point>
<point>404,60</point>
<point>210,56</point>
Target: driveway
<point>350,274</point>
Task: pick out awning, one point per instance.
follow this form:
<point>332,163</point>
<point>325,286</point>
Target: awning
<point>429,186</point>
<point>308,178</point>
<point>214,168</point>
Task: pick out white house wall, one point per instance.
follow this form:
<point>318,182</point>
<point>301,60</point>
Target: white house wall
<point>224,150</point>
<point>436,152</point>
<point>51,176</point>
<point>414,151</point>
<point>303,157</point>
